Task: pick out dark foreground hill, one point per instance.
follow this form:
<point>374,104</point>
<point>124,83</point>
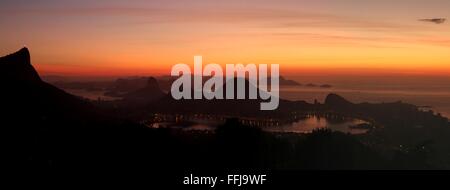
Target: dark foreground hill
<point>44,127</point>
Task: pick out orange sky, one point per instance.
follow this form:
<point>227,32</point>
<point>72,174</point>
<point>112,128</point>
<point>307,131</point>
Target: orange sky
<point>111,38</point>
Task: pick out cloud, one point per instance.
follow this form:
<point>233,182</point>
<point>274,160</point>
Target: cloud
<point>263,17</point>
<point>434,20</point>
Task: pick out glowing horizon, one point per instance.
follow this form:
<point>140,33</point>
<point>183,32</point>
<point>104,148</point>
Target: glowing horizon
<point>116,38</point>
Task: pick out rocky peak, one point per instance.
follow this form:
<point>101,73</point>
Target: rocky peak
<point>17,67</point>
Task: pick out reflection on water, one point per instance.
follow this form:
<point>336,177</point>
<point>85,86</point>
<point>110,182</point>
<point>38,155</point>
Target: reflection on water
<point>306,125</point>
<point>185,127</point>
<point>309,124</point>
<point>433,94</point>
<point>91,95</point>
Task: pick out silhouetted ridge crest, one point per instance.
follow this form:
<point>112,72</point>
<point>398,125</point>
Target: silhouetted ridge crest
<point>152,84</point>
<point>336,100</point>
<point>150,92</point>
<point>27,96</point>
<point>17,67</point>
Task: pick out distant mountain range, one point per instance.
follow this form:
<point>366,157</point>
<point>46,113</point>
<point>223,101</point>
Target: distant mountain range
<point>43,127</point>
<point>151,92</point>
<point>17,67</point>
<point>120,86</point>
<point>25,93</point>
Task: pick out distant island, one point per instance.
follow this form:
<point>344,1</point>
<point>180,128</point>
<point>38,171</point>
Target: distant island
<point>120,86</point>
<point>47,128</point>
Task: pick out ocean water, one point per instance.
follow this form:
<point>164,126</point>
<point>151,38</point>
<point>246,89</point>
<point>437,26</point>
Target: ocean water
<point>91,95</point>
<point>422,91</point>
<point>306,125</point>
<point>309,124</point>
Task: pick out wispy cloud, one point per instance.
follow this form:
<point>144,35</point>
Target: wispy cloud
<point>264,17</point>
<point>434,20</point>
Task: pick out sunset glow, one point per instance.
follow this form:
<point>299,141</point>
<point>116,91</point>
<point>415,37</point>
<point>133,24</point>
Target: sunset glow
<point>122,38</point>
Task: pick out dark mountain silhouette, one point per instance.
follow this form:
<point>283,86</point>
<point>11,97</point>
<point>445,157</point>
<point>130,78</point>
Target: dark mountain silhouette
<point>325,86</point>
<point>385,112</point>
<point>216,106</point>
<point>47,128</point>
<point>311,85</point>
<point>149,93</point>
<point>122,86</point>
<point>234,107</point>
<point>17,67</point>
<point>393,114</point>
<point>24,91</point>
<point>335,100</point>
<point>166,82</point>
<point>44,128</point>
<point>287,82</point>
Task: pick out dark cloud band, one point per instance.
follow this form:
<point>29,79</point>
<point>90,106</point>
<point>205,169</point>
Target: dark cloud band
<point>434,20</point>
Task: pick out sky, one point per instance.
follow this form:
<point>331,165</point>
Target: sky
<point>116,38</point>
